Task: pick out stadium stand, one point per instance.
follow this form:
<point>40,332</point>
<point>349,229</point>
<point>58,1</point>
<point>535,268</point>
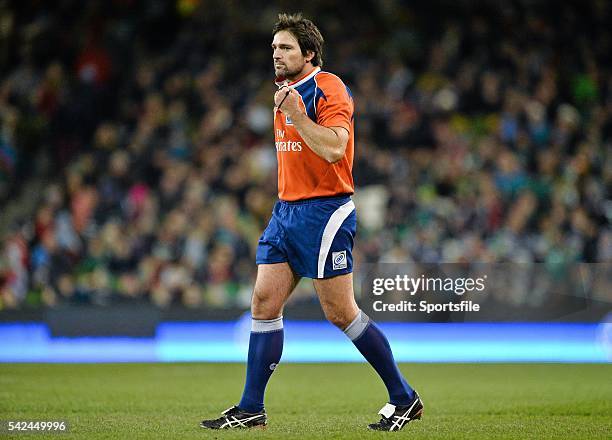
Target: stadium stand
<point>137,160</point>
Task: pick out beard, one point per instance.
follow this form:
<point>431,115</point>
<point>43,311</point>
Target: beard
<point>285,72</point>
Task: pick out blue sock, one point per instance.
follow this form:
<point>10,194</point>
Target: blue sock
<point>265,349</point>
<point>374,346</point>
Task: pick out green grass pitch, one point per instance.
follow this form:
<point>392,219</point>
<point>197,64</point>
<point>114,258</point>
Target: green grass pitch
<point>321,401</point>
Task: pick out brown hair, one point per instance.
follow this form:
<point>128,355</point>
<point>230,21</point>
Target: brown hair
<point>305,32</point>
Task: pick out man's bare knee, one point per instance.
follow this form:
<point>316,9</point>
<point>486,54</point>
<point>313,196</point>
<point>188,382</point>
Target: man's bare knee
<point>273,285</point>
<point>265,306</point>
<point>337,299</point>
<point>339,318</point>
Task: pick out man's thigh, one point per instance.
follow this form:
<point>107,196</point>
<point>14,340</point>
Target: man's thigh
<point>273,285</point>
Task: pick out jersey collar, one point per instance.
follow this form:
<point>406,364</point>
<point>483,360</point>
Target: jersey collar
<point>282,81</point>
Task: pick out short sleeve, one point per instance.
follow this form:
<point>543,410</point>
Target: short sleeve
<point>334,103</point>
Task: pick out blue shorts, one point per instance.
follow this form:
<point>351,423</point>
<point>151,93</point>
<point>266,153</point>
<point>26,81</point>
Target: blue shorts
<point>314,236</point>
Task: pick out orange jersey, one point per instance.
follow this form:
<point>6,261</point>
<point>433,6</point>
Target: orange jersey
<point>302,174</point>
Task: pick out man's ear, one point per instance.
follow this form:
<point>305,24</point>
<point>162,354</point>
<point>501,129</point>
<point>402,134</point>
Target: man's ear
<point>309,55</point>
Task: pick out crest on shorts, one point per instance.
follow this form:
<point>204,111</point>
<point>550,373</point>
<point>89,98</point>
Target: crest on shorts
<point>339,260</point>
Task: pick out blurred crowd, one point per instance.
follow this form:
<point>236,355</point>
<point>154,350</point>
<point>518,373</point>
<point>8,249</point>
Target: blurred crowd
<point>484,133</point>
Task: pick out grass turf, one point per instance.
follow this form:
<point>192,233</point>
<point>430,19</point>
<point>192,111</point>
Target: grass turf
<point>327,401</point>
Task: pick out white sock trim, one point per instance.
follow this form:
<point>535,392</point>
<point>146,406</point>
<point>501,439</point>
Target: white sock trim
<point>358,326</point>
<point>266,325</point>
